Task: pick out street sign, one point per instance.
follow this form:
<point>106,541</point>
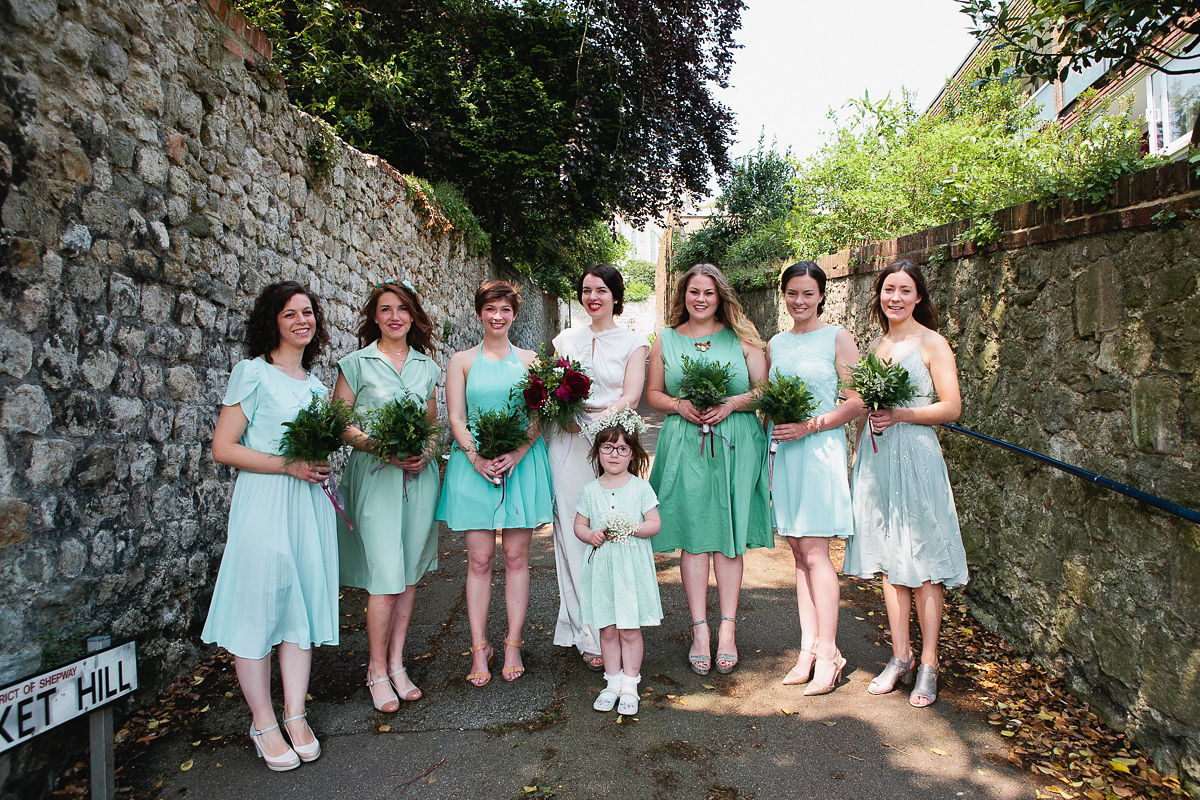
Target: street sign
<point>37,704</point>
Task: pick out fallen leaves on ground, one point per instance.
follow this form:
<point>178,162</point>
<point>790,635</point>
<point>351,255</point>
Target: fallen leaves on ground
<point>1050,732</point>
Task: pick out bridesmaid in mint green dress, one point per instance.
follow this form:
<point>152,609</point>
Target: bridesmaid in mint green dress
<point>479,379</point>
<point>714,504</point>
<point>810,495</point>
<point>277,585</point>
<point>394,540</point>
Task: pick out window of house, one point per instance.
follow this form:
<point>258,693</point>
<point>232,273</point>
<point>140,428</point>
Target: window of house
<point>1174,101</point>
<point>1043,100</point>
<point>1080,79</point>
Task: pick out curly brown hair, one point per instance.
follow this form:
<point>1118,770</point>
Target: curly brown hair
<point>639,459</point>
<point>262,326</point>
<point>420,335</point>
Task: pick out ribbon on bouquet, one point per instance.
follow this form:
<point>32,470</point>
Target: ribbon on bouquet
<point>331,491</point>
<point>772,450</point>
<point>709,430</point>
<point>407,476</point>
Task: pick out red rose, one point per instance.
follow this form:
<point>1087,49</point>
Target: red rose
<point>535,394</point>
<point>577,383</point>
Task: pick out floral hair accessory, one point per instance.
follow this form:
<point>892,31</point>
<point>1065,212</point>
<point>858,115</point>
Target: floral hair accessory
<point>626,419</point>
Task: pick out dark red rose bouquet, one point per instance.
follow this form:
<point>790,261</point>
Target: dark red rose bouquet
<point>554,390</point>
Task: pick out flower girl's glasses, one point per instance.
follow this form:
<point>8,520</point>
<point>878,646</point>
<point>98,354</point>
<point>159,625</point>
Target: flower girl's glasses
<point>619,449</point>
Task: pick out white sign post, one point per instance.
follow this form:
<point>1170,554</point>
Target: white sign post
<point>37,704</point>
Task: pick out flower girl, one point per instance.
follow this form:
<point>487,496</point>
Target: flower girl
<point>616,515</point>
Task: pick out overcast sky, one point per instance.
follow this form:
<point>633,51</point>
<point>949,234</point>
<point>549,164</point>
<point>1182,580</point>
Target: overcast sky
<point>802,57</point>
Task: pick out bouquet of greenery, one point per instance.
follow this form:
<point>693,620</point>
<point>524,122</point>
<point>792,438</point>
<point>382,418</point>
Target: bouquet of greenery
<point>705,384</point>
<point>316,434</point>
<point>617,529</point>
<point>784,399</point>
<point>880,384</point>
<point>553,390</point>
<point>399,428</point>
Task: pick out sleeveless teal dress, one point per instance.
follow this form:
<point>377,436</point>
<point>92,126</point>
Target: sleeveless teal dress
<point>716,503</point>
<point>394,541</point>
<point>905,523</point>
<point>469,501</point>
<point>811,491</point>
<point>278,580</point>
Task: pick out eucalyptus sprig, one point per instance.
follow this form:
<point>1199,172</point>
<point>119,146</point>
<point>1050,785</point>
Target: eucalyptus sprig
<point>316,432</point>
<point>399,428</point>
<point>785,399</point>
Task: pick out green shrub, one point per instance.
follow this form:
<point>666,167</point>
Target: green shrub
<point>636,291</point>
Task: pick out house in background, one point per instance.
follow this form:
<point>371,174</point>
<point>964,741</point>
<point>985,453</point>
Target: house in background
<point>1168,103</point>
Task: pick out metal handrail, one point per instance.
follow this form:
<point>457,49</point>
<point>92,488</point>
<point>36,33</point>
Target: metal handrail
<point>1107,483</point>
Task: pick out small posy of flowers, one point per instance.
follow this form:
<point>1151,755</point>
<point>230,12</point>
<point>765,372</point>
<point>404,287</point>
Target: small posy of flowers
<point>553,390</point>
<point>618,528</point>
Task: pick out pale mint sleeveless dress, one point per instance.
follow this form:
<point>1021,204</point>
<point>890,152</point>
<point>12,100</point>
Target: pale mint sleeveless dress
<point>715,501</point>
<point>811,491</point>
<point>394,541</point>
<point>469,501</point>
<point>619,585</point>
<point>278,580</point>
<point>905,523</point>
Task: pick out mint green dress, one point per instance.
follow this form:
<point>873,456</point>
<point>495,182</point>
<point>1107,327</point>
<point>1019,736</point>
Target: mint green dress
<point>394,541</point>
<point>469,501</point>
<point>278,580</point>
<point>716,503</point>
<point>811,491</point>
<point>619,585</point>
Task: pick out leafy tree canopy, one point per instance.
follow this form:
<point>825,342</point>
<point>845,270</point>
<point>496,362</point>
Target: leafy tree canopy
<point>548,115</point>
<point>1047,38</point>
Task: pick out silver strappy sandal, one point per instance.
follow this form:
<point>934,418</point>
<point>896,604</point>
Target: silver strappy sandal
<point>896,671</point>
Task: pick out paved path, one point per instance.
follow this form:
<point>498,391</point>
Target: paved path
<point>713,737</point>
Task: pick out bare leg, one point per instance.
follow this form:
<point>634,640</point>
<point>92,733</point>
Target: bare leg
<point>481,551</point>
<point>729,590</point>
<point>898,600</point>
<point>399,634</point>
<point>295,664</point>
<point>806,610</point>
<point>254,676</point>
<point>631,651</point>
<point>930,598</point>
<point>693,573</point>
<point>381,611</point>
<point>516,588</point>
<point>610,648</point>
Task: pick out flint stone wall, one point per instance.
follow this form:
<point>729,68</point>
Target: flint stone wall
<point>1085,348</point>
<point>152,181</point>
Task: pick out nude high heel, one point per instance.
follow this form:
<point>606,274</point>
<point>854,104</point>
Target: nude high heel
<point>839,663</point>
<point>306,752</point>
<point>282,763</point>
<point>483,677</point>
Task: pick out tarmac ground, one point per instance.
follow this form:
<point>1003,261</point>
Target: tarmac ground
<point>719,737</point>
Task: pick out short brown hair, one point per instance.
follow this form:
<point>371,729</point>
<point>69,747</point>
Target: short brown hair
<point>639,459</point>
<point>491,291</point>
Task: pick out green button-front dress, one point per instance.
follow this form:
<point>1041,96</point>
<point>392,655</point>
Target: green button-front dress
<point>394,541</point>
<point>716,503</point>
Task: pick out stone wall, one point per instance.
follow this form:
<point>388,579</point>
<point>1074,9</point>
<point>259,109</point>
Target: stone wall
<point>1086,348</point>
<point>152,180</point>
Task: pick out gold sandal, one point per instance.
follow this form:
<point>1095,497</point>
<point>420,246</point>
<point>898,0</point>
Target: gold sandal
<point>483,677</point>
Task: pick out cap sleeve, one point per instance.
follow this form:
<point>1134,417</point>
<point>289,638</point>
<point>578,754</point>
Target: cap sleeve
<point>351,368</point>
<point>648,500</point>
<point>636,340</point>
<point>586,504</point>
<point>243,387</point>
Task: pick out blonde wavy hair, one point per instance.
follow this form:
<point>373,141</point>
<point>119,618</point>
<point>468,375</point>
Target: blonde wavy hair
<point>729,310</point>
